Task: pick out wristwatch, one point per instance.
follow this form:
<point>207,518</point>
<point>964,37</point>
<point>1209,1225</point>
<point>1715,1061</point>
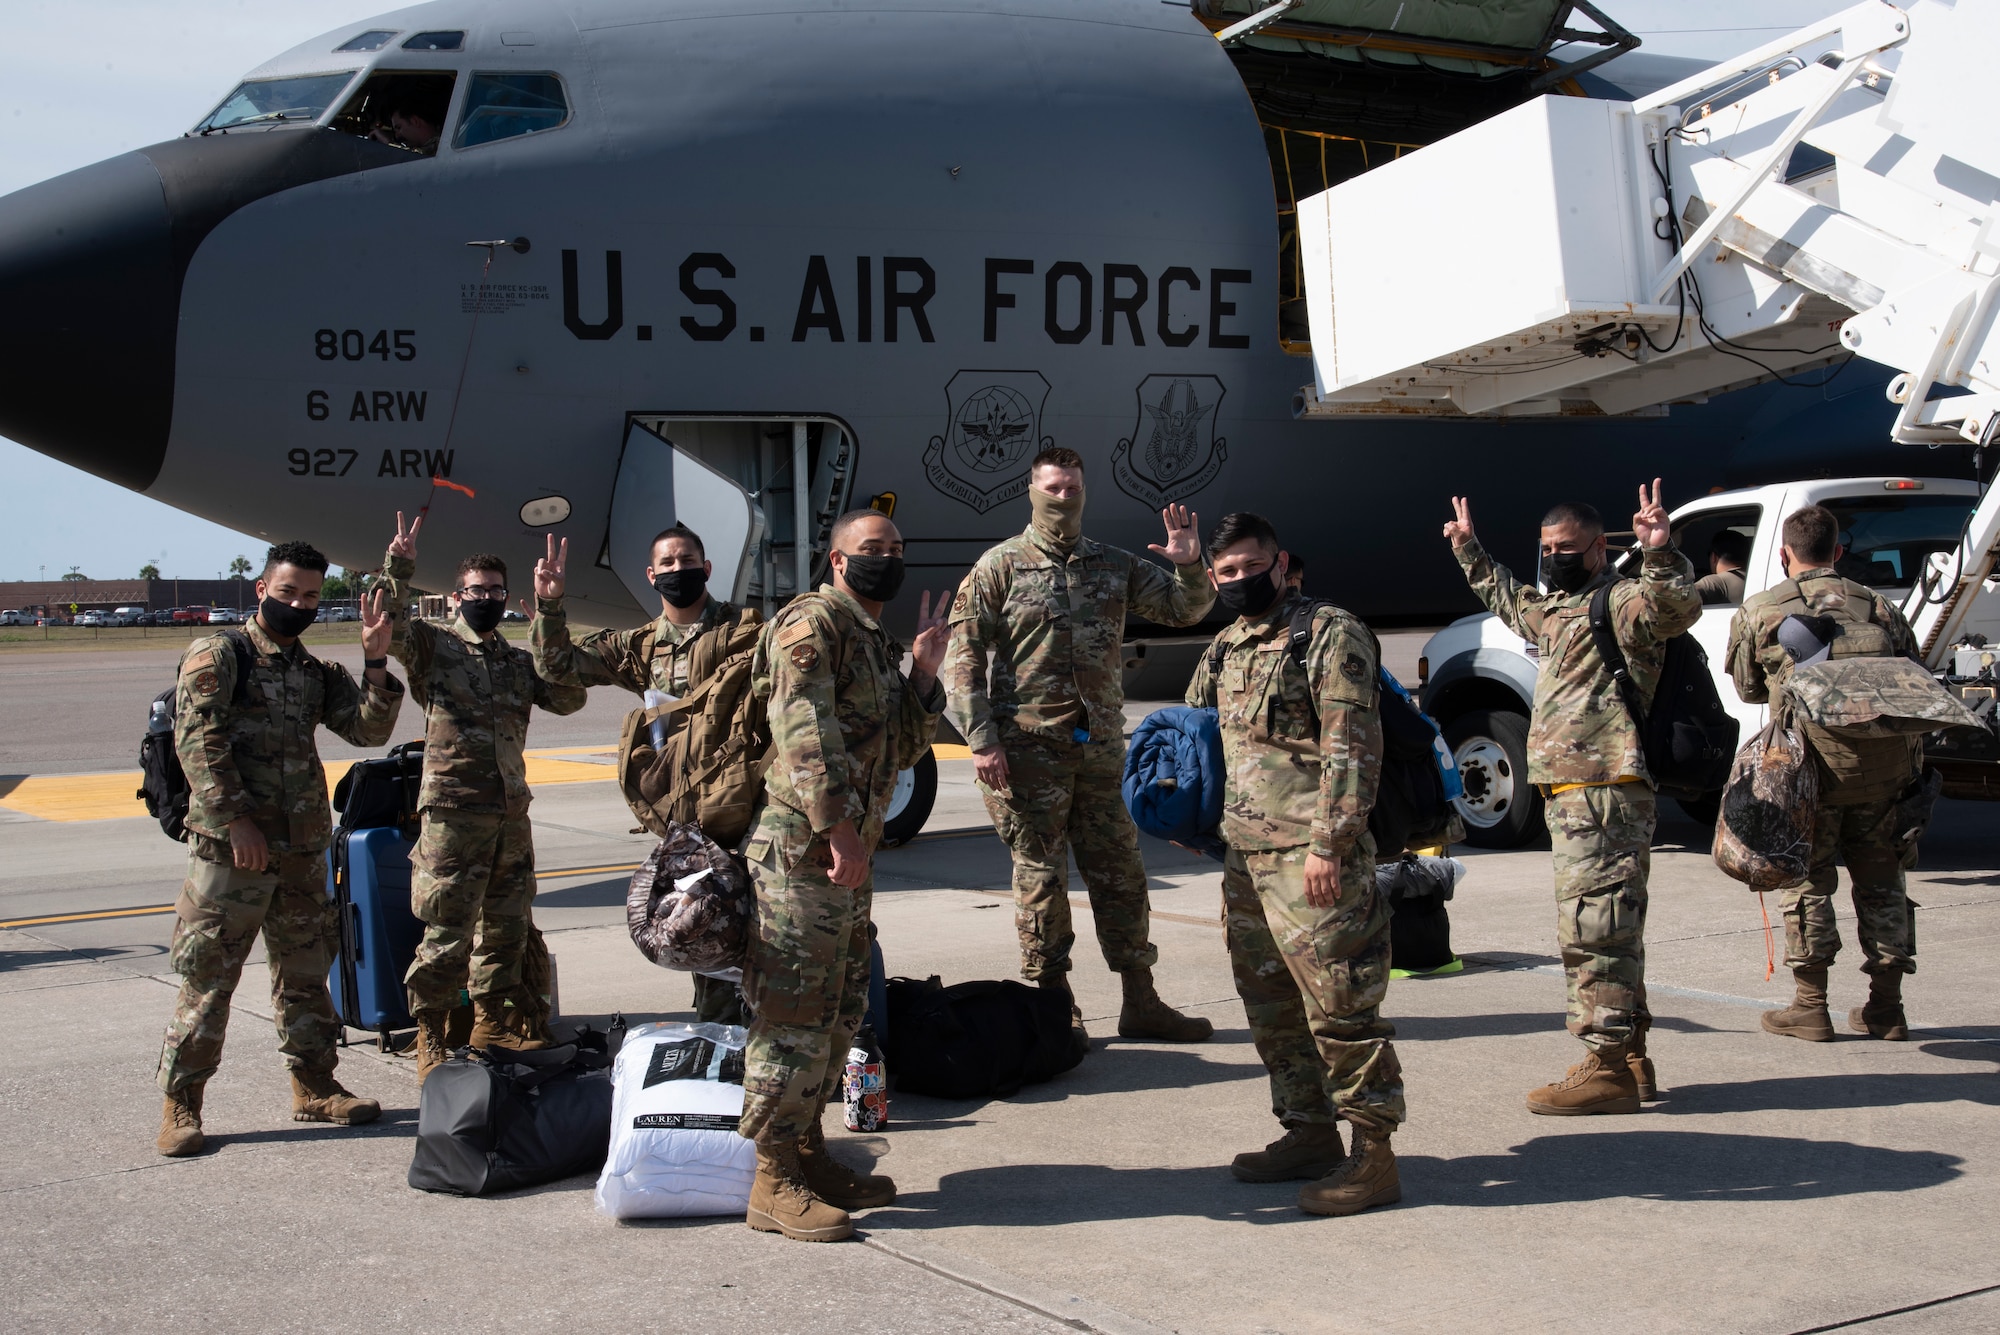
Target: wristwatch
<point>368,663</point>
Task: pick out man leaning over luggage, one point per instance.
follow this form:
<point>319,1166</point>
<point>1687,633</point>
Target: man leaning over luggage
<point>844,722</point>
<point>1584,753</point>
<point>1308,931</point>
<point>1860,781</point>
<point>473,869</point>
<point>1048,734</point>
<point>695,634</point>
<point>245,710</point>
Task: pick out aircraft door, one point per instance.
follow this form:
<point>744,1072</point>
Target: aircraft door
<point>659,483</point>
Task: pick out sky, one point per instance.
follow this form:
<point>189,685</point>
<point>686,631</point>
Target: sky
<point>83,80</point>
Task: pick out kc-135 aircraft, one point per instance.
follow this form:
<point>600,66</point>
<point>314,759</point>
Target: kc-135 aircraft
<point>592,266</point>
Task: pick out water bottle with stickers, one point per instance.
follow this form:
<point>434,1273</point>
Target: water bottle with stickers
<point>864,1085</point>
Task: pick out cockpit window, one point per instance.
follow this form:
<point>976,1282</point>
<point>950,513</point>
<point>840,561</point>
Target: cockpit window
<point>372,40</point>
<point>436,41</point>
<point>404,108</point>
<point>267,102</point>
<point>502,106</point>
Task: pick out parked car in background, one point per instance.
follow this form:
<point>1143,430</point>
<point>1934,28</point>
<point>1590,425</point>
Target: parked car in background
<point>190,616</point>
<point>224,616</point>
<point>147,619</point>
<point>15,618</point>
<point>339,612</point>
<point>126,616</point>
<point>94,618</point>
<point>511,615</point>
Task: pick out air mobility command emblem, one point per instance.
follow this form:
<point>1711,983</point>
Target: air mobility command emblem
<point>993,428</point>
<point>1173,451</point>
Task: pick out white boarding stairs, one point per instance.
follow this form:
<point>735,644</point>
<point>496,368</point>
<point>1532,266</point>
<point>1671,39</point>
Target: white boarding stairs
<point>1575,257</point>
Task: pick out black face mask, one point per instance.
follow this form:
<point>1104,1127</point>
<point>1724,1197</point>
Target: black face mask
<point>876,578</point>
<point>1567,571</point>
<point>682,588</point>
<point>1250,596</point>
<point>482,614</point>
<point>284,620</point>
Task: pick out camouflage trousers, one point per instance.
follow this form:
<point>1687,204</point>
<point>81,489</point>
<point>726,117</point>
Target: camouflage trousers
<point>1312,982</point>
<point>221,910</point>
<point>1863,837</point>
<point>472,885</point>
<point>806,977</point>
<point>1064,797</point>
<point>1602,839</point>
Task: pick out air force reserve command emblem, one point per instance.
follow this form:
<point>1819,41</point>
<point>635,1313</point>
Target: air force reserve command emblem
<point>993,429</point>
<point>1173,451</point>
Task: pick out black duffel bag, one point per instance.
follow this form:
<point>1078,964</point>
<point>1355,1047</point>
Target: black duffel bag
<point>977,1040</point>
<point>377,793</point>
<point>493,1119</point>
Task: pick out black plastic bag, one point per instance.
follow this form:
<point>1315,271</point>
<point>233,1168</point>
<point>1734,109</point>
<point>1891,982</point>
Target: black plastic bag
<point>975,1040</point>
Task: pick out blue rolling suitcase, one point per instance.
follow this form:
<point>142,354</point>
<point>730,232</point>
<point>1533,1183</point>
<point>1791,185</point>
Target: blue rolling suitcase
<point>368,878</point>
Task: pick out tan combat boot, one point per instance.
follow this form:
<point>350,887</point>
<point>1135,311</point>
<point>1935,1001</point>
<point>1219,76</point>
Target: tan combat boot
<point>1806,1017</point>
<point>1601,1083</point>
<point>837,1184</point>
<point>495,1024</point>
<point>1146,1016</point>
<point>1059,982</point>
<point>1367,1177</point>
<point>1882,1016</point>
<point>318,1097</point>
<point>1641,1065</point>
<point>180,1124</point>
<point>1307,1150</point>
<point>458,1027</point>
<point>432,1045</point>
<point>781,1202</point>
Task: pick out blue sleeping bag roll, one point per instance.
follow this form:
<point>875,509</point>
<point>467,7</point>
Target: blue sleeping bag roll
<point>1173,778</point>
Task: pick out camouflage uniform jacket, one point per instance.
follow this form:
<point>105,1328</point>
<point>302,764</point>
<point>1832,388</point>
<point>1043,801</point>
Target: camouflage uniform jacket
<point>1302,746</point>
<point>476,694</point>
<point>1055,622</point>
<point>660,657</point>
<point>844,719</point>
<point>256,756</point>
<point>1581,731</point>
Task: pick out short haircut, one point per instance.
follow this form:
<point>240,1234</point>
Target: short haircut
<point>1583,516</point>
<point>1813,532</point>
<point>1239,527</point>
<point>482,561</point>
<point>1731,546</point>
<point>849,520</point>
<point>684,533</point>
<point>1057,456</point>
<point>301,554</point>
<point>1295,564</point>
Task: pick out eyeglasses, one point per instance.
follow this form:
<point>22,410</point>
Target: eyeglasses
<point>485,593</point>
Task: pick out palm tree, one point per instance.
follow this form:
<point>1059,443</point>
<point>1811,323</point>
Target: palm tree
<point>149,571</point>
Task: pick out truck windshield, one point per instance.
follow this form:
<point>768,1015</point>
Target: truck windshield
<point>1888,538</point>
<point>276,101</point>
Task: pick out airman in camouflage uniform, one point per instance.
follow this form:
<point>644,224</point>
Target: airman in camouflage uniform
<point>844,723</point>
<point>245,708</point>
<point>1048,734</point>
<point>1584,753</point>
<point>474,864</point>
<point>1308,931</point>
<point>694,635</point>
<point>1860,783</point>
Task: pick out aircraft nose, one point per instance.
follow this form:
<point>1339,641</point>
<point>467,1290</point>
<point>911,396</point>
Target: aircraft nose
<point>89,304</point>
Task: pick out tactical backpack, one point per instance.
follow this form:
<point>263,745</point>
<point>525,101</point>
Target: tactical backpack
<point>700,759</point>
<point>163,784</point>
<point>1687,737</point>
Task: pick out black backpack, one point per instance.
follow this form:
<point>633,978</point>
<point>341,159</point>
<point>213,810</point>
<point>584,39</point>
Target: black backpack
<point>163,785</point>
<point>378,793</point>
<point>1688,738</point>
<point>977,1040</point>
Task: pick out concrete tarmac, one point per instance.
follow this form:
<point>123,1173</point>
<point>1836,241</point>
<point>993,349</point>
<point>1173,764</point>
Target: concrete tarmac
<point>1778,1186</point>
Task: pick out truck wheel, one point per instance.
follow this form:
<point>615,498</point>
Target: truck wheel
<point>1501,809</point>
<point>910,802</point>
<point>1704,810</point>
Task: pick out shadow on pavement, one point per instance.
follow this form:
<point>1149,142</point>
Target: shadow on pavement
<point>1813,1093</point>
<point>1430,1028</point>
<point>13,960</point>
<point>1549,1170</point>
<point>591,895</point>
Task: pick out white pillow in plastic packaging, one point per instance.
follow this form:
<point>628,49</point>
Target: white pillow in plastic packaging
<point>677,1096</point>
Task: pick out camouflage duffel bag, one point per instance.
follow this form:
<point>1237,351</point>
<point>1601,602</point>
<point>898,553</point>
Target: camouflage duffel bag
<point>1861,698</point>
<point>691,904</point>
<point>1764,834</point>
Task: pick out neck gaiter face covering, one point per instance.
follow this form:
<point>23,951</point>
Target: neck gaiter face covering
<point>1059,519</point>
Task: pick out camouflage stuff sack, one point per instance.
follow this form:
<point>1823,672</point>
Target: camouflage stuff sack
<point>1764,834</point>
<point>691,906</point>
<point>1859,699</point>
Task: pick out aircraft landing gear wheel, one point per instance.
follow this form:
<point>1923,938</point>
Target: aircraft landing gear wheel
<point>910,802</point>
<point>1501,809</point>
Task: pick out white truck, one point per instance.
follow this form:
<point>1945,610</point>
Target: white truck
<point>1477,678</point>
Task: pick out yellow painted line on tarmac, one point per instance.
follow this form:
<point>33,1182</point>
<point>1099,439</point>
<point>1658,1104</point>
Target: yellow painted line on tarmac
<point>562,872</point>
<point>87,917</point>
<point>951,751</point>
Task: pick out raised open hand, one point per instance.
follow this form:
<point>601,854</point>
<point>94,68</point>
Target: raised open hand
<point>405,541</point>
<point>549,570</point>
<point>933,634</point>
<point>1183,545</point>
<point>1459,527</point>
<point>1651,524</point>
<point>377,627</point>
